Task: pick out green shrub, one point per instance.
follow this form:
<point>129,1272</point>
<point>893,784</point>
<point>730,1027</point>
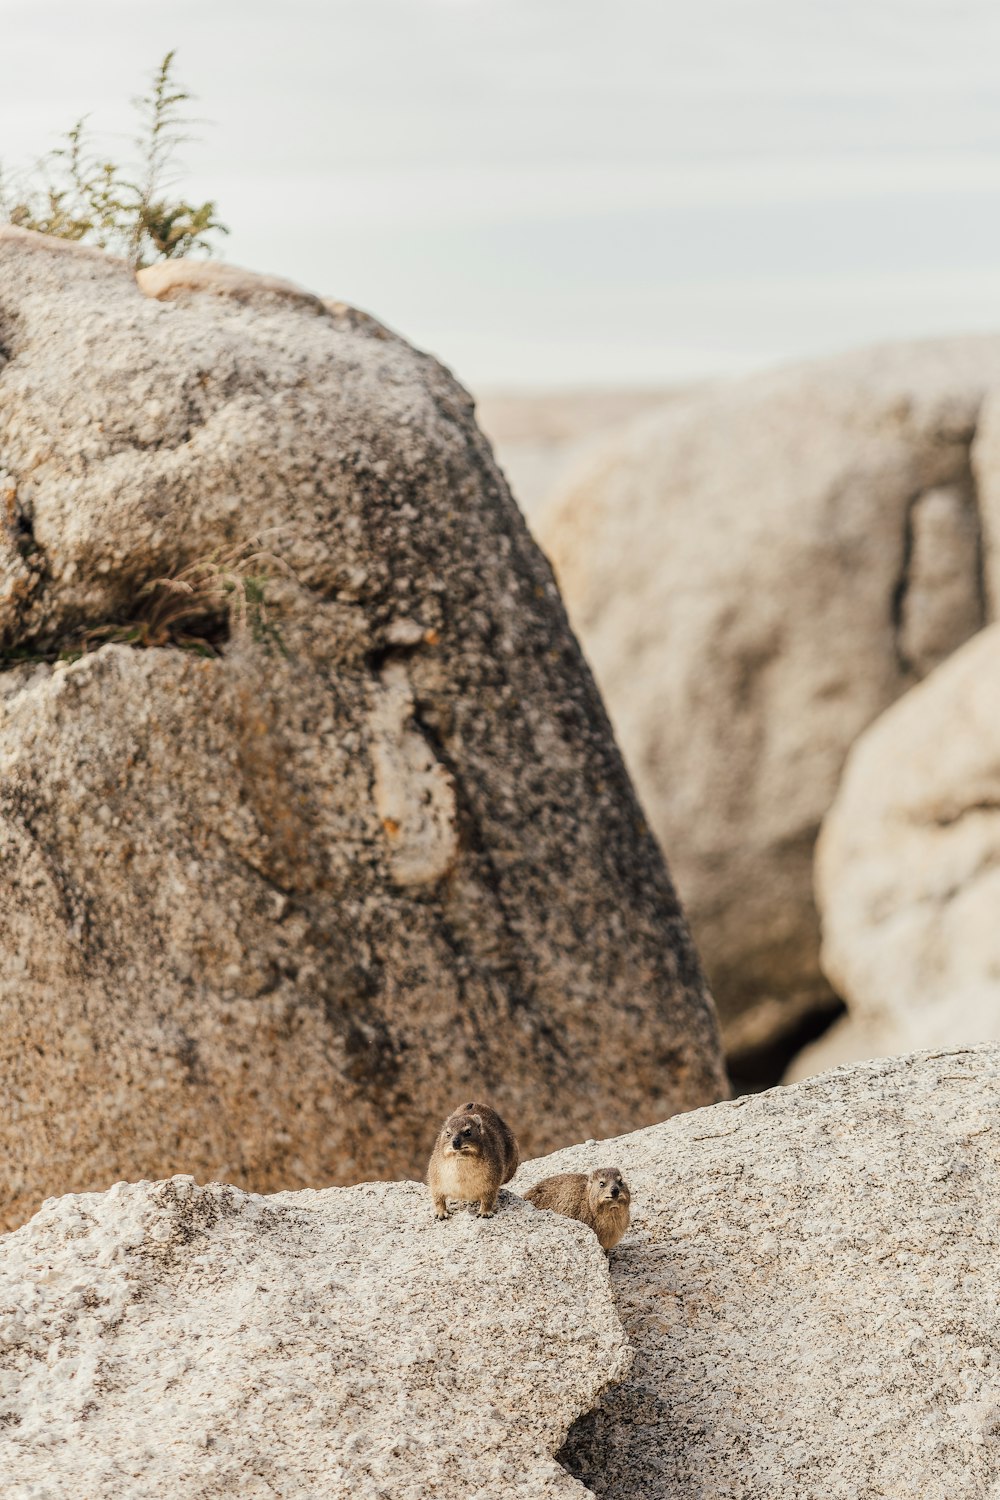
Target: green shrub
<point>128,209</point>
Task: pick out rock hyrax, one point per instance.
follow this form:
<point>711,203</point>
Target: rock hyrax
<point>600,1200</point>
<point>474,1154</point>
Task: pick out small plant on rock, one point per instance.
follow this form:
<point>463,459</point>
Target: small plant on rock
<point>131,210</point>
<point>203,604</point>
<point>198,608</point>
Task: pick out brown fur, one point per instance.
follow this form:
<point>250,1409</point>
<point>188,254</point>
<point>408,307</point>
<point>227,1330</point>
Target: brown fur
<point>474,1170</point>
<point>589,1199</point>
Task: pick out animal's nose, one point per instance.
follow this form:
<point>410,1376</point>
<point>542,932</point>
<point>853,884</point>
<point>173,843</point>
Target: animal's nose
<point>615,1191</point>
<point>456,1141</point>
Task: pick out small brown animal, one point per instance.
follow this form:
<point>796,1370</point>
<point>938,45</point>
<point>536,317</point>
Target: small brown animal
<point>474,1155</point>
<point>600,1200</point>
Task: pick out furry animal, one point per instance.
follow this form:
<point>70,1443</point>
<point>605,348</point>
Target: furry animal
<point>474,1155</point>
<point>599,1199</point>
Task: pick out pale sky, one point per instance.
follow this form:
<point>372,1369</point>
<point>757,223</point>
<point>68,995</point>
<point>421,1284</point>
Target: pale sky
<point>568,192</point>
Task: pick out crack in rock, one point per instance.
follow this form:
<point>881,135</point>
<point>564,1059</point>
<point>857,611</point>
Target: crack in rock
<point>938,600</point>
<point>22,562</point>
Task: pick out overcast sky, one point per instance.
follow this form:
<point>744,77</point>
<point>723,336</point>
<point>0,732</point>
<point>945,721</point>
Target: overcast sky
<point>572,192</point>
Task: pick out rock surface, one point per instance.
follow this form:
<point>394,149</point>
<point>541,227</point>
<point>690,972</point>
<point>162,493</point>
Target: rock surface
<point>810,1287</point>
<point>908,870</point>
<point>269,915</point>
<point>986,466</point>
<point>755,574</point>
<point>166,1340</point>
<point>540,438</point>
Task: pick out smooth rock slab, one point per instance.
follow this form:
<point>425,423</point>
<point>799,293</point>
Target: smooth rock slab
<point>810,1283</point>
<point>908,870</point>
<point>167,1340</point>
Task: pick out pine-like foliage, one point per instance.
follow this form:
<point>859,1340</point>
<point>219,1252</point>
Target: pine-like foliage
<point>129,209</point>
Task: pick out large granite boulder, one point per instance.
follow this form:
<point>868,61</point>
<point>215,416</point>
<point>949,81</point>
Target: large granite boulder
<point>810,1287</point>
<point>164,1340</point>
<point>268,914</point>
<point>755,574</point>
<point>908,870</point>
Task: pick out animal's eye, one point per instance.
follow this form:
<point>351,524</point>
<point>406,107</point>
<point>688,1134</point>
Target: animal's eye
<point>467,1130</point>
<point>603,1183</point>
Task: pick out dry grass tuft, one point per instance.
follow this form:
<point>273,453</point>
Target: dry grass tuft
<point>198,609</point>
<point>203,604</point>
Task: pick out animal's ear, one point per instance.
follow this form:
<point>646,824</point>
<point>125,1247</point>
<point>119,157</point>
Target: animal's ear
<point>468,1108</point>
<point>479,1120</point>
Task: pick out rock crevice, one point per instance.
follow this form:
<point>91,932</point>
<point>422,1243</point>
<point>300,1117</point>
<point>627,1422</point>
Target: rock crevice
<point>808,1286</point>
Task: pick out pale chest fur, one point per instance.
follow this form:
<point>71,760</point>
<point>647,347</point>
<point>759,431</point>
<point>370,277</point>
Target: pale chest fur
<point>610,1222</point>
<point>462,1177</point>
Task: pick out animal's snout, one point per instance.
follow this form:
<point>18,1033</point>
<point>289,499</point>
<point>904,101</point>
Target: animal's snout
<point>456,1142</point>
<point>616,1191</point>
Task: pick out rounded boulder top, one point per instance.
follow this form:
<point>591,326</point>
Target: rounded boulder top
<point>273,895</point>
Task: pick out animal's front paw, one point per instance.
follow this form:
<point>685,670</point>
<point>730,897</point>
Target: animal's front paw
<point>486,1213</point>
<point>442,1213</point>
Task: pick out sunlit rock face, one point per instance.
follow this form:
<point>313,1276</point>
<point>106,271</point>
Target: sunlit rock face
<point>168,1339</point>
<point>809,1283</point>
<point>268,914</point>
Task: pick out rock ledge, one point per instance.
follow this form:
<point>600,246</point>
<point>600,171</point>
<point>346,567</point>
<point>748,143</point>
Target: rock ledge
<point>166,1340</point>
